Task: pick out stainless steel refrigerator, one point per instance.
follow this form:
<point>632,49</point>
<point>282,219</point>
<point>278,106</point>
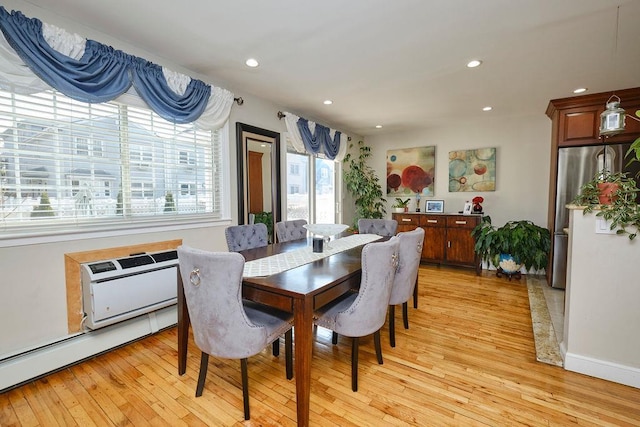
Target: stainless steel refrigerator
<point>577,165</point>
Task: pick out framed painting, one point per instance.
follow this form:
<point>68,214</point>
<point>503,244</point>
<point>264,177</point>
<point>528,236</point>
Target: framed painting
<point>434,206</point>
<point>410,171</point>
<point>472,170</point>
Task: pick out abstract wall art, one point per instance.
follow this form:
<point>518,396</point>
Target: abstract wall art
<point>410,171</point>
<point>472,170</point>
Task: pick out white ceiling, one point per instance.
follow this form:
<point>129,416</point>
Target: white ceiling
<point>399,63</point>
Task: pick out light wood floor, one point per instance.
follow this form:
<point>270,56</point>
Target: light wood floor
<point>468,359</point>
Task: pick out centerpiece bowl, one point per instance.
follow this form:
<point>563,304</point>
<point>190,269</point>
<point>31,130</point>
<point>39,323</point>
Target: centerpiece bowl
<point>326,231</point>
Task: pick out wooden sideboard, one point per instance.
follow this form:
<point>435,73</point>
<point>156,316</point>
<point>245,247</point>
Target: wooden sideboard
<point>447,237</point>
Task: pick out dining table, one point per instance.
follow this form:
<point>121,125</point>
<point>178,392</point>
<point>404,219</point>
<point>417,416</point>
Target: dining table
<point>299,290</point>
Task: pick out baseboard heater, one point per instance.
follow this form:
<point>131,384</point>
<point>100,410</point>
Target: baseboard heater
<point>118,289</point>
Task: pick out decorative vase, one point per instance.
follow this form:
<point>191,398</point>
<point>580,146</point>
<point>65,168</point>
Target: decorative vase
<point>477,208</point>
<point>508,264</point>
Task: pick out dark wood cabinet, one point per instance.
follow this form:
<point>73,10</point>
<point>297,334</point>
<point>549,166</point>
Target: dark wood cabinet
<point>447,237</point>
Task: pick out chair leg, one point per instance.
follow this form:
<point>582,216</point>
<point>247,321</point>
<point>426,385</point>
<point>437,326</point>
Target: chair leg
<point>288,352</point>
<point>354,363</point>
<point>376,341</point>
<point>275,347</point>
<point>245,387</point>
<point>405,314</point>
<point>334,337</point>
<point>204,364</point>
<point>392,325</point>
<point>415,294</point>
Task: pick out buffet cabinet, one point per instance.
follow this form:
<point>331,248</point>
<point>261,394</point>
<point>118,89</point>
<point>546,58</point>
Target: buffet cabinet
<point>447,237</point>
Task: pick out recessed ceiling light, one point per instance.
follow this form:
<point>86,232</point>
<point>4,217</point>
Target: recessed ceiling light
<point>253,63</point>
<point>487,108</point>
<point>474,63</point>
<point>580,90</point>
<point>378,126</point>
<point>328,102</point>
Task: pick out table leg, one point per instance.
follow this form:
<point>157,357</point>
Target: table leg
<point>303,329</point>
<point>183,327</point>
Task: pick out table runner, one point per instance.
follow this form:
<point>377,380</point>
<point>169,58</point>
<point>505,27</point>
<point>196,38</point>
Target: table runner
<point>288,260</point>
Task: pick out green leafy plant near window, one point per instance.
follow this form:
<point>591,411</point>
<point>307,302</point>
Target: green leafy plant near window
<point>529,244</point>
<point>622,212</point>
<point>267,219</point>
<point>362,182</point>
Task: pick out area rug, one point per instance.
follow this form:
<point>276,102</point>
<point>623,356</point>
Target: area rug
<point>547,348</point>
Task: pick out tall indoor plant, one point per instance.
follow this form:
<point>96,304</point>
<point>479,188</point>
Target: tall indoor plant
<point>363,183</point>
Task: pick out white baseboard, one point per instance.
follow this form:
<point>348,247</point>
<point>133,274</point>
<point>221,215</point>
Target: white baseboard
<point>605,370</point>
<point>21,368</point>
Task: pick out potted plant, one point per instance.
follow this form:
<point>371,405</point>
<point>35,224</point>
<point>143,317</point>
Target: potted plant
<point>515,244</point>
<point>401,205</point>
<point>634,149</point>
<point>619,209</point>
<point>362,182</point>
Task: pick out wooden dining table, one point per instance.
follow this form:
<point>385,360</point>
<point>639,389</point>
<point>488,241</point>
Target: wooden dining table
<point>300,290</point>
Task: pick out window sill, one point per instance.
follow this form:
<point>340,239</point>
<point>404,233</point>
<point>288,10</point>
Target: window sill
<point>22,238</point>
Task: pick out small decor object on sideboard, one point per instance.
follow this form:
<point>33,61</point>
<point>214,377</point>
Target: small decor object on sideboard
<point>400,205</point>
<point>477,207</point>
<point>468,206</point>
<point>434,206</point>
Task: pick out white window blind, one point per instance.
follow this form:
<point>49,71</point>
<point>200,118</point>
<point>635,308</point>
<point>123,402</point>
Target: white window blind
<point>65,163</point>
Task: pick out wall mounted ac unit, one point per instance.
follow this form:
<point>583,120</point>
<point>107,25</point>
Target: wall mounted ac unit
<point>119,289</point>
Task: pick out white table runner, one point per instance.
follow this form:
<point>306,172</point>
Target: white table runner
<point>288,260</point>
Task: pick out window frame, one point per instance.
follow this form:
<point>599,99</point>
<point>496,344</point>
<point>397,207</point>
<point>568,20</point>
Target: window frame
<point>78,228</point>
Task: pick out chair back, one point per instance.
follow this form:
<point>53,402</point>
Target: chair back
<point>291,230</point>
<point>368,312</point>
<point>212,283</point>
<point>241,237</point>
<point>381,227</point>
<point>409,254</point>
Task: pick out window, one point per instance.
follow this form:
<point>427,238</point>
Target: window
<point>100,163</point>
<point>311,192</point>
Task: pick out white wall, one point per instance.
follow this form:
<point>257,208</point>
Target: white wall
<point>523,147</point>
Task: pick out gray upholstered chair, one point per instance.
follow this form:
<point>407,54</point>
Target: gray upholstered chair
<point>241,237</point>
<point>364,313</point>
<point>409,253</point>
<point>223,325</point>
<point>291,230</point>
<point>381,227</point>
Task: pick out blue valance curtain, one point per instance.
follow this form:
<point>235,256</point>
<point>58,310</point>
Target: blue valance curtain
<point>320,139</point>
<point>100,73</point>
<point>314,138</point>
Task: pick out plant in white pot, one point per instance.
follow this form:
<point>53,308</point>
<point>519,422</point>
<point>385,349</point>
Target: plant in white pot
<point>401,205</point>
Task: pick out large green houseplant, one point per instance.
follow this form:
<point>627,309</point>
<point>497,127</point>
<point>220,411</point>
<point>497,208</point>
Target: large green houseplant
<point>362,182</point>
<point>620,209</point>
<point>526,242</point>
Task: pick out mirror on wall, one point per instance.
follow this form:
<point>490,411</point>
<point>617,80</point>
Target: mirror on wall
<point>258,175</point>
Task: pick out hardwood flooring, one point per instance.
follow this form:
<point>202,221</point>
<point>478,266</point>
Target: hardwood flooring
<point>468,359</point>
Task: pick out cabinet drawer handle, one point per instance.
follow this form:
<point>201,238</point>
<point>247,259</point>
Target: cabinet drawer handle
<point>432,221</point>
<point>461,222</point>
<point>406,220</point>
